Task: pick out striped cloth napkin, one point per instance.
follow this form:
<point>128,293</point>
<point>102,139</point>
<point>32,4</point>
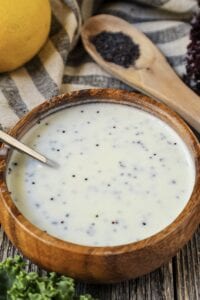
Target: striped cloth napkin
<point>62,65</point>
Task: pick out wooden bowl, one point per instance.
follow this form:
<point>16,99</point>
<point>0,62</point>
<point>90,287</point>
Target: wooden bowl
<point>101,264</point>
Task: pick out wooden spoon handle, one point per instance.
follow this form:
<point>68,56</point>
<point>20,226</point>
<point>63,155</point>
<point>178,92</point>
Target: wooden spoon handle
<point>159,81</point>
<point>171,90</point>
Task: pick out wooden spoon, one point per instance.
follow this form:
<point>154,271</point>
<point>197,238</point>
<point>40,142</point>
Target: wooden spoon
<point>151,73</point>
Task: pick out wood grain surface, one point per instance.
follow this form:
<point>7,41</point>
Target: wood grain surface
<point>177,280</point>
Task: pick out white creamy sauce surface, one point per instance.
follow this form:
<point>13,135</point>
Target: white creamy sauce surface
<point>124,175</point>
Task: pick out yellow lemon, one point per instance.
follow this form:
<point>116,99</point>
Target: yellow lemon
<point>24,27</point>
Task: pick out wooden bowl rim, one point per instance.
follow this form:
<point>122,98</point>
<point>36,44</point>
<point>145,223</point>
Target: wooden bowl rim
<point>122,97</point>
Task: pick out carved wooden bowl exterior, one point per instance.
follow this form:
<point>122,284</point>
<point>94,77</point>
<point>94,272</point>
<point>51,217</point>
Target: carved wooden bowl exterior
<point>101,264</point>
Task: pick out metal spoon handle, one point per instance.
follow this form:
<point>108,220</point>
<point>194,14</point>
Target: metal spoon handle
<point>7,139</point>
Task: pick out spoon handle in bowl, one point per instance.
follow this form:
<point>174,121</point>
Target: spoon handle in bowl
<point>9,140</point>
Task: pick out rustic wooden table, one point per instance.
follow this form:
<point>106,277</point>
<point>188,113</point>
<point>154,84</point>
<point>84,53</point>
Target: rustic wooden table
<point>179,279</point>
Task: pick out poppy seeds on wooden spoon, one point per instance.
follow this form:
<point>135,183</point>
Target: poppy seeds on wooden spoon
<point>116,47</point>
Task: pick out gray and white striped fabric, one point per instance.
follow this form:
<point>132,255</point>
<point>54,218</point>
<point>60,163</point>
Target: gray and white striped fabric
<point>54,70</point>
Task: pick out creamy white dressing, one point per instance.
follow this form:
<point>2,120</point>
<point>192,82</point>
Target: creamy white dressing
<point>124,175</point>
